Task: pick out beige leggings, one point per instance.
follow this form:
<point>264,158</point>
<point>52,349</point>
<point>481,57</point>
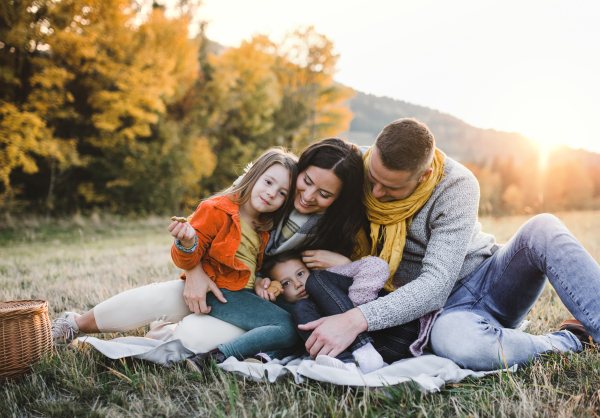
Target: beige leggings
<point>164,302</point>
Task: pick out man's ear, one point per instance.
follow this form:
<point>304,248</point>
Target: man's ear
<point>426,174</point>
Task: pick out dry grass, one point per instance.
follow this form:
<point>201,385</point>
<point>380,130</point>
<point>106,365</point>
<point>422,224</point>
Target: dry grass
<point>77,263</point>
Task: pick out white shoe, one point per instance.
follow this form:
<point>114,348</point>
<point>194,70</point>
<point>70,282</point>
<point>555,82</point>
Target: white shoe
<point>368,358</point>
<point>327,361</point>
<point>65,329</point>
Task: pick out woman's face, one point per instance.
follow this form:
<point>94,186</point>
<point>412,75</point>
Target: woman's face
<point>316,189</point>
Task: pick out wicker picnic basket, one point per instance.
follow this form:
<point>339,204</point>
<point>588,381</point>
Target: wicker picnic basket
<point>24,335</point>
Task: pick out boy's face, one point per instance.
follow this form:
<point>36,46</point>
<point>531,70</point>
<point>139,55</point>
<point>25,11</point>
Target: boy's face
<point>292,275</point>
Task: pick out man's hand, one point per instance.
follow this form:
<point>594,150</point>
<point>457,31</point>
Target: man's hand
<point>183,232</point>
<point>321,259</point>
<point>333,334</point>
<point>197,285</point>
<point>260,288</point>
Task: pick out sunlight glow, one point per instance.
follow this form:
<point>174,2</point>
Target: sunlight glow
<point>532,67</point>
<point>550,111</point>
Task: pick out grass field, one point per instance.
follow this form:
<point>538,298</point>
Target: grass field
<point>76,263</point>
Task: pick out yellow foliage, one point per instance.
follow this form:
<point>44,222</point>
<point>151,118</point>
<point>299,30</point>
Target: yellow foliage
<point>203,164</point>
<point>21,135</point>
<point>89,194</point>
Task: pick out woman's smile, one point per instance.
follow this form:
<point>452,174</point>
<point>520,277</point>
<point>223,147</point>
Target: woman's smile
<point>316,189</point>
<point>303,202</point>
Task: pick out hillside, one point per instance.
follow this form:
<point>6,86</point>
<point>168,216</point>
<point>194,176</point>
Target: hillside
<point>459,140</point>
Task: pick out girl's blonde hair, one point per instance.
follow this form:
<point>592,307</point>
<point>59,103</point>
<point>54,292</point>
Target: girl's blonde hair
<point>240,191</point>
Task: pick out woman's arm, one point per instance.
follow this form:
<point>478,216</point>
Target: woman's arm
<point>197,285</point>
<point>322,259</point>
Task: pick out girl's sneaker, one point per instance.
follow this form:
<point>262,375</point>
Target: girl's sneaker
<point>65,329</point>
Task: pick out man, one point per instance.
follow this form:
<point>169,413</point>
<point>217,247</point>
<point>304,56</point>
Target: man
<point>440,257</point>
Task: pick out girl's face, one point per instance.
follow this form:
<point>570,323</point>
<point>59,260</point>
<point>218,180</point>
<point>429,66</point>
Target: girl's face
<point>271,189</point>
<point>316,189</point>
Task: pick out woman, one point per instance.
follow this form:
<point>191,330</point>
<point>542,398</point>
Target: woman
<point>330,180</point>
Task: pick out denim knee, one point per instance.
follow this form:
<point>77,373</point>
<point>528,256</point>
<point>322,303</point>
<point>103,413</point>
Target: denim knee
<point>543,224</point>
<point>313,282</point>
<point>468,340</point>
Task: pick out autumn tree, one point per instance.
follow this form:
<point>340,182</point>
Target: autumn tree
<point>110,104</point>
<point>240,95</point>
<point>265,94</point>
<point>313,104</point>
<point>98,80</point>
<point>33,98</point>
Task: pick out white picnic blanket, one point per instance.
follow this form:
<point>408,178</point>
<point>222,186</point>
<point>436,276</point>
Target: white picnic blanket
<point>428,372</point>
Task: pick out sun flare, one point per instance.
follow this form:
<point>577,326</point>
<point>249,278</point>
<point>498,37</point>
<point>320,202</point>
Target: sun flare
<point>551,112</point>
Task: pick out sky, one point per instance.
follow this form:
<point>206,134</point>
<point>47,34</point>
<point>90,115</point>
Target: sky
<point>526,66</point>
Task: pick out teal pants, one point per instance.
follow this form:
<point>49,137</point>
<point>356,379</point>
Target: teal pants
<point>270,327</point>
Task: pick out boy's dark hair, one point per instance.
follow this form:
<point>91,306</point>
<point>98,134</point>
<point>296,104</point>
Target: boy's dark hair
<point>406,145</point>
<point>272,261</point>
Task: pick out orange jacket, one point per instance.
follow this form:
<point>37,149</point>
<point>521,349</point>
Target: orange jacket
<point>217,225</point>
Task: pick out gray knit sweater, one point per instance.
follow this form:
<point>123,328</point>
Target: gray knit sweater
<point>444,244</point>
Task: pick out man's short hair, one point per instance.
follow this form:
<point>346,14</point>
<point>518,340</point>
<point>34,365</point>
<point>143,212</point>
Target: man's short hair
<point>406,145</point>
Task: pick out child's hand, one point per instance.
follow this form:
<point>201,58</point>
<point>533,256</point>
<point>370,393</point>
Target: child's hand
<point>183,232</point>
<point>260,288</point>
<point>321,259</point>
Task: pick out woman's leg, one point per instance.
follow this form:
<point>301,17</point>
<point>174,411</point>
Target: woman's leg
<point>202,333</point>
<point>269,327</point>
<point>136,307</point>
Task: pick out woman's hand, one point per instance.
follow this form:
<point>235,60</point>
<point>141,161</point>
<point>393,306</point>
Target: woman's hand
<point>183,232</point>
<point>197,285</point>
<point>260,288</point>
<point>321,259</point>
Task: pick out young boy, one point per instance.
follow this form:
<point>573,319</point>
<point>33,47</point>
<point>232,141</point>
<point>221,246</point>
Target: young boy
<point>332,291</point>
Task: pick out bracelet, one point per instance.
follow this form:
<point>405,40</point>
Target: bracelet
<point>184,249</point>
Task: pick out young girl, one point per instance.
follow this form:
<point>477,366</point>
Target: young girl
<point>227,236</point>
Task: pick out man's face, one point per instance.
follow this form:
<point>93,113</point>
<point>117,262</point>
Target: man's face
<point>389,185</point>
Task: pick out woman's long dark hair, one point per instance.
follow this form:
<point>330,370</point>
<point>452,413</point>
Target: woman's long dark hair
<point>336,230</point>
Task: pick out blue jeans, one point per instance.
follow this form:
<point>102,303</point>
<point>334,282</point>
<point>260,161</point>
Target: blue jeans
<point>329,296</point>
<point>477,328</point>
<point>269,326</point>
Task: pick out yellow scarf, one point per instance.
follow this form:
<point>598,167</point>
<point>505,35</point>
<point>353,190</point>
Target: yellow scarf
<point>396,216</point>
